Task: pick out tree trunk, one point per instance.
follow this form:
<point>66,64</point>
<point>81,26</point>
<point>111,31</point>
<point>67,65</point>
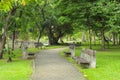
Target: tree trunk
<point>52,39</point>
<point>9,58</point>
<point>102,41</point>
<point>90,39</point>
<point>55,41</point>
<point>13,40</point>
<point>83,37</point>
<point>6,26</point>
<point>94,39</point>
<point>40,33</point>
<point>39,36</point>
<point>0,38</point>
<point>114,38</point>
<point>119,39</point>
<point>2,46</point>
<point>21,44</point>
<point>50,35</point>
<point>5,29</point>
<point>3,42</point>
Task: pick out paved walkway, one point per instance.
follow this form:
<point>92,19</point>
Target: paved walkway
<point>50,66</point>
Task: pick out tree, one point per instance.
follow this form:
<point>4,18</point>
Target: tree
<point>7,11</point>
<point>100,19</point>
<point>114,22</point>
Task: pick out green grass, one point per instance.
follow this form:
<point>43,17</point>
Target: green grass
<point>18,69</point>
<point>108,64</point>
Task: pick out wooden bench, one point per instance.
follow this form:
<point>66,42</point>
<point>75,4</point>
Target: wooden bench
<point>37,45</point>
<point>30,55</point>
<point>71,51</point>
<point>87,56</point>
<point>67,54</point>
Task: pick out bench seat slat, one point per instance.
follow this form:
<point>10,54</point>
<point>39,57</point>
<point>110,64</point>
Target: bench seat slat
<point>81,60</point>
<point>87,57</point>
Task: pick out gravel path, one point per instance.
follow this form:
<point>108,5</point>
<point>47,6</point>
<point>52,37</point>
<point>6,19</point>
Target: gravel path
<point>49,65</point>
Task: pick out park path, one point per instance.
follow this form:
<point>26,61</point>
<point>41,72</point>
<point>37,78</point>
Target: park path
<point>49,65</point>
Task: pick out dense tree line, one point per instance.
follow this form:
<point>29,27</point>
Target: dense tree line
<point>96,16</point>
<point>56,18</point>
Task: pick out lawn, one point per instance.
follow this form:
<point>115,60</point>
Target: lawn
<point>18,69</point>
<point>108,64</point>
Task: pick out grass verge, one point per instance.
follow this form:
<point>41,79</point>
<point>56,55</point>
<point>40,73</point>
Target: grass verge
<point>108,66</point>
<point>18,69</point>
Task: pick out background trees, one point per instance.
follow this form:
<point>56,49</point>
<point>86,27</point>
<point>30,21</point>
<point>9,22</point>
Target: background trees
<point>31,19</point>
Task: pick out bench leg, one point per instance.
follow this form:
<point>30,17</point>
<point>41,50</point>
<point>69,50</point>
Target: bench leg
<point>92,64</point>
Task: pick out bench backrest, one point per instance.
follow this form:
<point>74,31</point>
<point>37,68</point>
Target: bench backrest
<point>71,46</point>
<point>38,44</point>
<point>88,54</point>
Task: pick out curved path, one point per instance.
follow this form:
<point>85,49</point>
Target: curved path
<point>50,66</point>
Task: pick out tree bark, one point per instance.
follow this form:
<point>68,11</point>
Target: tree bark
<point>39,36</point>
<point>53,39</point>
<point>2,46</point>
<point>94,39</point>
<point>119,39</point>
<point>102,41</point>
<point>90,39</point>
<point>114,43</point>
<point>3,42</point>
<point>9,58</point>
<point>83,37</point>
<point>50,35</point>
<point>40,33</point>
<point>13,39</point>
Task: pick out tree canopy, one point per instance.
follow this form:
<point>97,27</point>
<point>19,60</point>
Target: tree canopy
<point>25,19</point>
